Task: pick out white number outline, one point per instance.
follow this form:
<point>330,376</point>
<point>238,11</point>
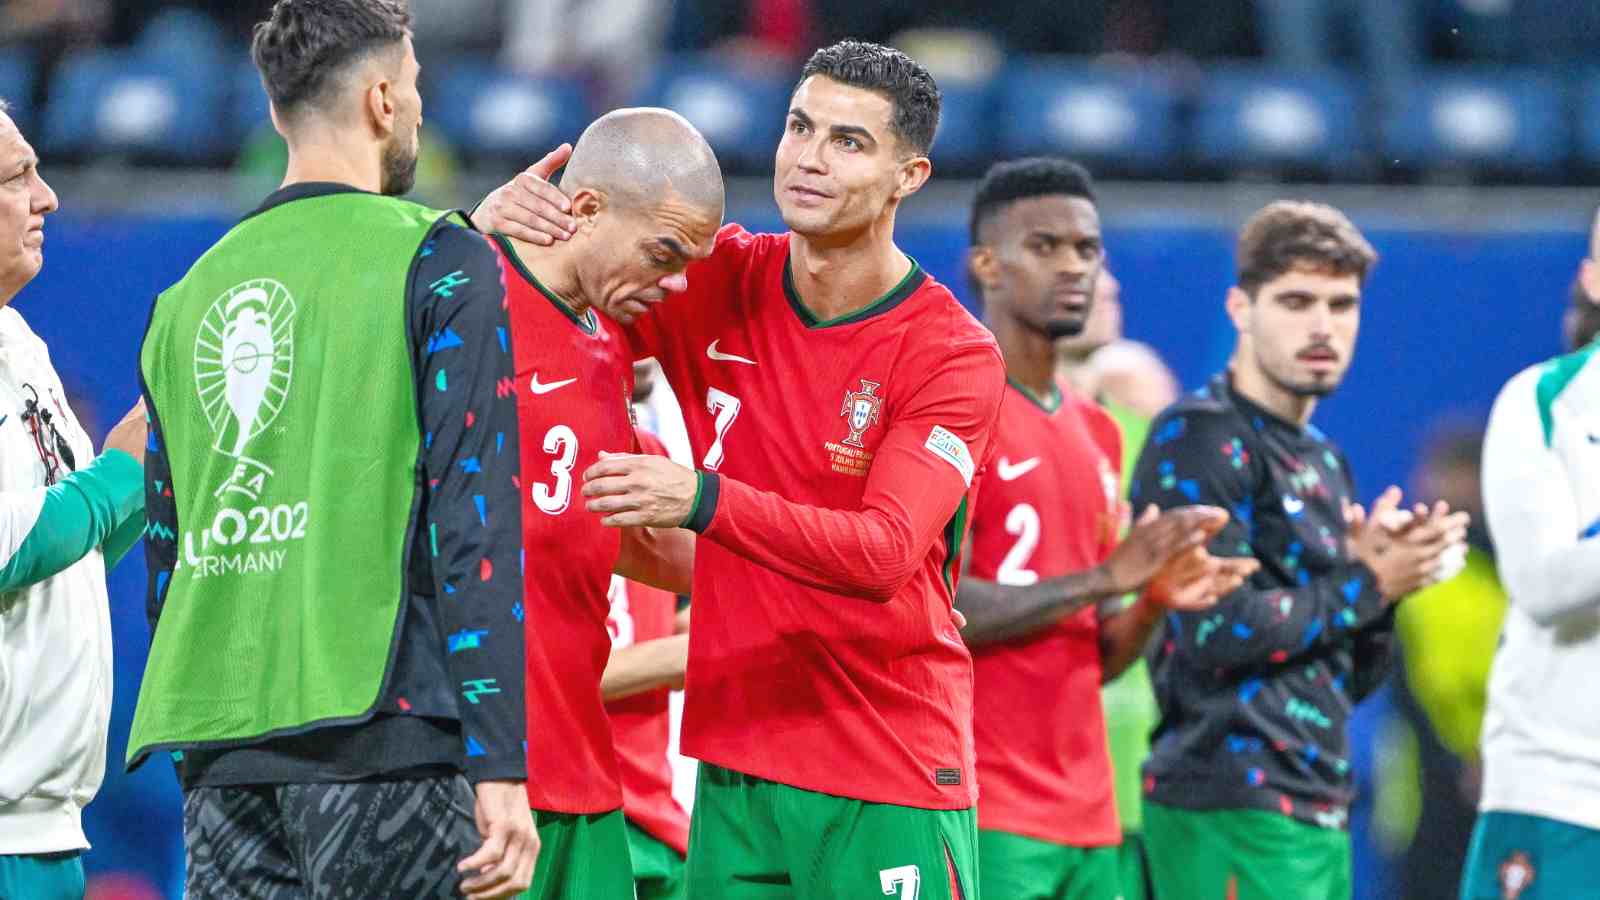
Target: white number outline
<point>1022,521</point>
<point>563,444</point>
<point>726,408</point>
<point>619,618</point>
<point>903,880</point>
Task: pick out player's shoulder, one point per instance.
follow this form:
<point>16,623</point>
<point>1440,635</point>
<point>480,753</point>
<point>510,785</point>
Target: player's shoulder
<point>1198,423</point>
<point>459,259</point>
<point>1557,388</point>
<point>1572,377</point>
<point>940,324</point>
<point>1200,411</point>
<point>449,239</point>
<point>1092,413</point>
<point>1086,408</point>
<point>1095,417</point>
<point>735,243</point>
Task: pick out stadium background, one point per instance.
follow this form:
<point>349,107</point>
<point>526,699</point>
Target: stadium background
<point>1458,133</point>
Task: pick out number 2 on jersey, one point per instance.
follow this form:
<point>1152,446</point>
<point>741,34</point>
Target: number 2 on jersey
<point>560,442</point>
<point>906,881</point>
<point>726,408</point>
<point>1022,521</point>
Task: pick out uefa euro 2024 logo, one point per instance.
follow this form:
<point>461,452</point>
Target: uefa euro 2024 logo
<point>243,364</point>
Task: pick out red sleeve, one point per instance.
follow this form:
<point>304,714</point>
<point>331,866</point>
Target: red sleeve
<point>1108,435</point>
<point>647,334</point>
<point>934,448</point>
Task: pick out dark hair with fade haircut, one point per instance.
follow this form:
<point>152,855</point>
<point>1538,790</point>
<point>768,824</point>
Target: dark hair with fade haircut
<point>1291,234</point>
<point>891,74</point>
<point>303,45</point>
<point>1019,179</point>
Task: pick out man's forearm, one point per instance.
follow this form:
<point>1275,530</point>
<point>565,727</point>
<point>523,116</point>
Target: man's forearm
<point>1124,633</point>
<point>75,516</point>
<point>1001,612</point>
<point>659,557</point>
<point>645,667</point>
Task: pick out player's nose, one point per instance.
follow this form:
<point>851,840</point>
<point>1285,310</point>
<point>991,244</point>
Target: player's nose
<point>44,198</point>
<point>674,284</point>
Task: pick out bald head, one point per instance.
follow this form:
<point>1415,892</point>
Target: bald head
<point>638,156</point>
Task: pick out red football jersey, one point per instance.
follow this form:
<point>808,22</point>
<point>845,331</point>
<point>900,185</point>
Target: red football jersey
<point>839,460</point>
<point>642,613</point>
<point>574,381</point>
<point>1050,507</point>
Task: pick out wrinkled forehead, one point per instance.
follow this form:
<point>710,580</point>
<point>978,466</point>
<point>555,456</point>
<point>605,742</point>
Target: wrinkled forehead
<point>693,226</point>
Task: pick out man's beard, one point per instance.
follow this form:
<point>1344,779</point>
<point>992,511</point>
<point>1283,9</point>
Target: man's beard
<point>1313,390</point>
<point>399,169</point>
<point>1065,328</point>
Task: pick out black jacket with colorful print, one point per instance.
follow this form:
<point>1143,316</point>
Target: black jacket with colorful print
<point>1255,692</point>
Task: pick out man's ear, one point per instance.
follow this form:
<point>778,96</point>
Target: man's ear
<point>1239,307</point>
<point>913,174</point>
<point>379,106</point>
<point>587,205</point>
<point>983,267</point>
<point>1589,277</point>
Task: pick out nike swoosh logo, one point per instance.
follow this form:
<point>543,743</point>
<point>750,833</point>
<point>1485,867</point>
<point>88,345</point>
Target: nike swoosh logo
<point>711,351</point>
<point>537,388</point>
<point>1011,472</point>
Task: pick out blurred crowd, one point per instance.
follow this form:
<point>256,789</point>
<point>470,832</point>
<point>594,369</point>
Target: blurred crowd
<point>1386,39</point>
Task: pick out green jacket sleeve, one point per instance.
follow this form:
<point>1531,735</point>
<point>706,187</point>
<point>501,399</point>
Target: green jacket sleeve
<point>100,504</point>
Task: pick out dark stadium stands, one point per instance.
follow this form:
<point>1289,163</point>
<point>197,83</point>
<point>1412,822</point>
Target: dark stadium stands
<point>155,104</point>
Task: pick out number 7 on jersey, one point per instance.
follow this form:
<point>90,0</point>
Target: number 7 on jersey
<point>726,408</point>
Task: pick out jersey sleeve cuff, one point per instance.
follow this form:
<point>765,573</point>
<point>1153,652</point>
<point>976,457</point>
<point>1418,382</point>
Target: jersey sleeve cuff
<point>706,493</point>
<point>509,767</point>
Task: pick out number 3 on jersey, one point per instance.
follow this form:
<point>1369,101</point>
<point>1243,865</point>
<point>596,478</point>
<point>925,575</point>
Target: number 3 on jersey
<point>725,407</point>
<point>904,881</point>
<point>560,442</point>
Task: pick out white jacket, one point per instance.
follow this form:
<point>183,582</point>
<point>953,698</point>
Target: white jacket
<point>1541,486</point>
<point>55,635</point>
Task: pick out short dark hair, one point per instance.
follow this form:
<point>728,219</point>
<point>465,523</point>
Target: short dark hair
<point>890,73</point>
<point>304,45</point>
<point>1007,182</point>
<point>1289,234</point>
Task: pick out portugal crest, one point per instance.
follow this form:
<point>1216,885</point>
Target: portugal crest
<point>1516,874</point>
<point>861,409</point>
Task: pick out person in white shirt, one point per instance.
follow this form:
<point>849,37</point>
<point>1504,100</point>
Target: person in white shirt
<point>1538,830</point>
<point>66,515</point>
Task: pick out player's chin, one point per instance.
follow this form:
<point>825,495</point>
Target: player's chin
<point>1319,386</point>
<point>629,311</point>
<point>1065,326</point>
<point>804,221</point>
